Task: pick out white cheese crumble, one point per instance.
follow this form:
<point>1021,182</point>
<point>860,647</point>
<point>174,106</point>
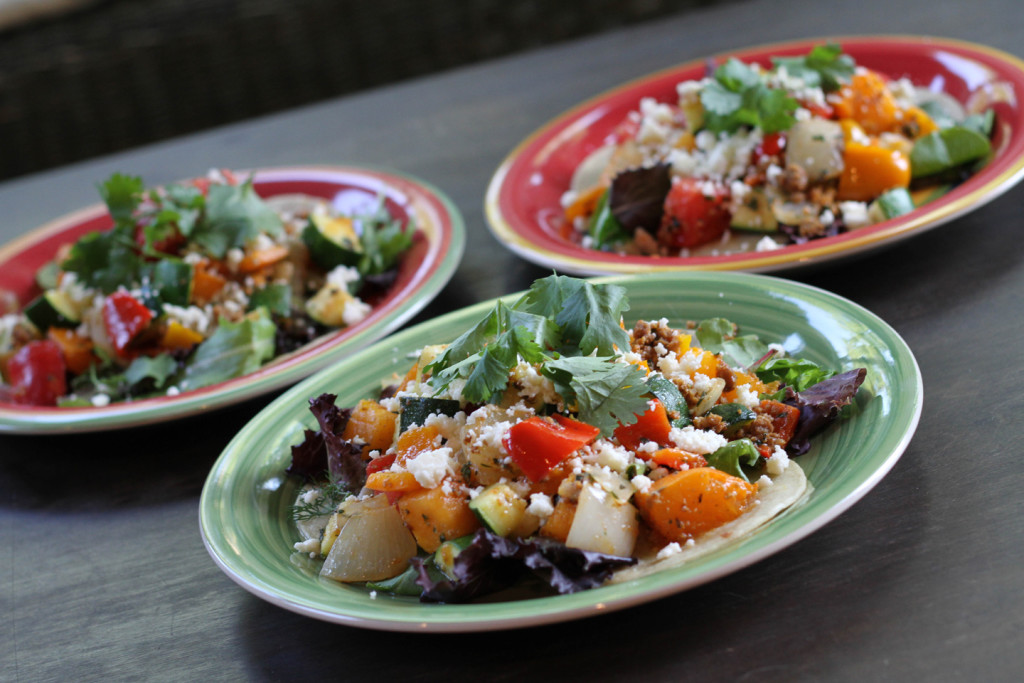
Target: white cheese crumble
<point>669,550</point>
<point>540,505</point>
<point>699,441</point>
<point>611,456</point>
<point>778,462</point>
<point>355,311</point>
<point>310,545</point>
<point>641,483</point>
<point>766,243</point>
<point>431,467</point>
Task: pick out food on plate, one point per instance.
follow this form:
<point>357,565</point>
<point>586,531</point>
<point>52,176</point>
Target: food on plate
<point>551,441</point>
<point>809,147</point>
<point>196,283</point>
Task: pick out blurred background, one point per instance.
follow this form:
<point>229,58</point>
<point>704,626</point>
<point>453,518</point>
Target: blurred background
<point>84,78</point>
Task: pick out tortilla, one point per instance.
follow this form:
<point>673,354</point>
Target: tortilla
<point>786,490</point>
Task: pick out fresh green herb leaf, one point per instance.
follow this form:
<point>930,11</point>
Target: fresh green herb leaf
<point>797,373</point>
<point>383,241</point>
<point>718,335</point>
<point>825,66</point>
<point>591,319</point>
<point>946,149</point>
<point>122,194</point>
<point>275,297</point>
<point>233,350</point>
<point>158,368</point>
<point>732,457</point>
<point>738,97</point>
<point>332,494</point>
<point>235,214</point>
<point>603,226</point>
<point>606,393</point>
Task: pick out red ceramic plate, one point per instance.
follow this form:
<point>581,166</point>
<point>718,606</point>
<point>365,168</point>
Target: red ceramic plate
<point>522,202</point>
<point>437,248</point>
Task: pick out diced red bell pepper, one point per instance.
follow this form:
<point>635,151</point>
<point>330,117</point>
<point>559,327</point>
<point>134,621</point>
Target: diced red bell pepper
<point>536,445</point>
<point>653,425</point>
<point>124,317</point>
<point>37,374</point>
<point>784,418</point>
<point>381,463</point>
<point>771,144</point>
<point>692,217</point>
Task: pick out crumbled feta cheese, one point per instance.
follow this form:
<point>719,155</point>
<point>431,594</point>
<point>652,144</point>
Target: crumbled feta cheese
<point>669,550</point>
<point>100,400</point>
<point>855,214</point>
<point>540,505</point>
<point>699,441</point>
<point>747,396</point>
<point>310,496</point>
<point>533,385</point>
<point>431,467</point>
<point>766,243</point>
<point>641,483</point>
<point>764,481</point>
<point>778,462</point>
<point>355,311</point>
<point>342,276</point>
<point>310,545</point>
<point>611,456</point>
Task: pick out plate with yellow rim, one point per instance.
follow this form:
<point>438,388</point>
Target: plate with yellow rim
<point>244,509</point>
<point>424,270</point>
<point>523,200</point>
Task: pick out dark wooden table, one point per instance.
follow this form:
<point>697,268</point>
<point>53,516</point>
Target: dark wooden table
<point>103,575</point>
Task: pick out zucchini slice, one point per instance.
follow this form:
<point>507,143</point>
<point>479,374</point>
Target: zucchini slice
<point>332,241</point>
<point>52,309</point>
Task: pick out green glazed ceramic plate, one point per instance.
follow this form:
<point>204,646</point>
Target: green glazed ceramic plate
<point>244,506</point>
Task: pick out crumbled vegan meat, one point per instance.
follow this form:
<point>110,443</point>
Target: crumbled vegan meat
<point>649,335</point>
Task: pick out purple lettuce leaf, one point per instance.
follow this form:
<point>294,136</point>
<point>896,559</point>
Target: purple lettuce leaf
<point>309,458</point>
<point>637,197</point>
<point>326,455</point>
<point>820,405</point>
<point>491,563</point>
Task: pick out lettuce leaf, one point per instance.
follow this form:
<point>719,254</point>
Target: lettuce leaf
<point>233,350</point>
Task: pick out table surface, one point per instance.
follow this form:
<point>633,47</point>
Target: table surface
<point>104,574</point>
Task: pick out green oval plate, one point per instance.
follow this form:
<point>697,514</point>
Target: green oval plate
<point>244,506</point>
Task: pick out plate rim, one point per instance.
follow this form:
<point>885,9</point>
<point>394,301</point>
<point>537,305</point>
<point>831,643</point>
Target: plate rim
<point>549,610</point>
<point>790,256</point>
<point>446,245</point>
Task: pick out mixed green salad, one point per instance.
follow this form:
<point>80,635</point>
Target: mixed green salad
<point>196,283</point>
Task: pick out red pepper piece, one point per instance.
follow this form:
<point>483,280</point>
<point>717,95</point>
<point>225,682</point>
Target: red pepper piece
<point>653,425</point>
<point>37,374</point>
<point>124,317</point>
<point>692,218</point>
<point>381,463</point>
<point>537,445</point>
<point>784,418</point>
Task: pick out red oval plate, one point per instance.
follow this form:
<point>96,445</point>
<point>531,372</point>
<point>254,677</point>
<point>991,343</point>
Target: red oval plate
<point>437,249</point>
<point>523,199</point>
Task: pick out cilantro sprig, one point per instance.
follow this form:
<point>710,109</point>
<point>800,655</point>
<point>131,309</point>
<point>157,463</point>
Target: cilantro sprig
<point>571,328</point>
<point>738,95</point>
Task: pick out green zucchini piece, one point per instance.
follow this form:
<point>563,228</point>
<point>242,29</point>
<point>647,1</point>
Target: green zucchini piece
<point>415,409</point>
<point>444,556</point>
<point>893,203</point>
<point>667,392</point>
<point>755,213</point>
<point>332,241</point>
<point>52,309</point>
<point>499,508</point>
<point>735,415</point>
